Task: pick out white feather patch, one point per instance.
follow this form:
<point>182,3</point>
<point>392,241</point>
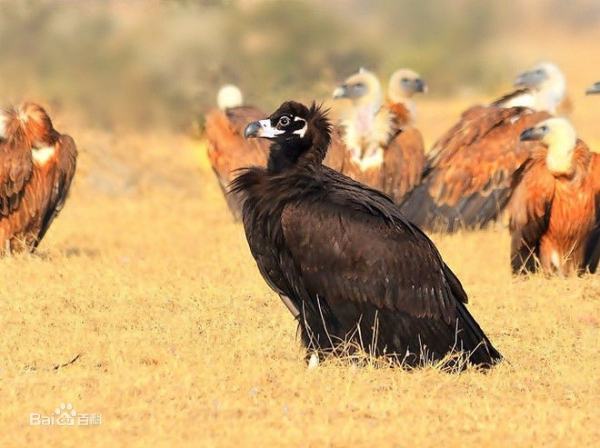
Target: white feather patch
<point>302,131</point>
<point>42,155</point>
<point>3,120</point>
<point>266,130</point>
<point>555,259</point>
<point>373,161</point>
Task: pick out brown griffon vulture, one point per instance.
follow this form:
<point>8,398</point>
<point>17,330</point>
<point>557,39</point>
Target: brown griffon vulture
<point>383,148</point>
<point>552,210</point>
<point>593,249</point>
<point>345,262</point>
<point>229,152</point>
<point>37,165</point>
<point>467,178</point>
<point>402,87</point>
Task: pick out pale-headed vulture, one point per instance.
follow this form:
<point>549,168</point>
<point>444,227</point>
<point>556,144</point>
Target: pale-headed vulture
<point>228,151</point>
<point>467,178</point>
<point>404,84</point>
<point>37,165</point>
<point>384,149</point>
<point>552,210</point>
<point>346,263</point>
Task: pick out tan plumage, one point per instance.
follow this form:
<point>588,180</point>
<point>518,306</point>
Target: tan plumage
<point>383,148</point>
<point>552,210</point>
<point>467,179</point>
<point>406,149</point>
<point>228,151</point>
<point>37,165</point>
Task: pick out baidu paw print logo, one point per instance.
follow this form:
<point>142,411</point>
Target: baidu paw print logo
<point>65,415</point>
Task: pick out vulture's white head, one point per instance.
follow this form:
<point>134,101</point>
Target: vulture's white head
<point>559,136</point>
<point>362,88</point>
<point>229,96</point>
<point>593,89</point>
<point>404,83</point>
<point>547,85</point>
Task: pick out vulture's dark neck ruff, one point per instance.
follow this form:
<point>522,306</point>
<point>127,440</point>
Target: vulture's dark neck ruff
<point>349,267</point>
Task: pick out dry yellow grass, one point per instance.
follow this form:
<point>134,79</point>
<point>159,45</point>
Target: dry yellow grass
<point>181,343</point>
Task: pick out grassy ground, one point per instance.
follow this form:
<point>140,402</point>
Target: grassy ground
<point>179,341</point>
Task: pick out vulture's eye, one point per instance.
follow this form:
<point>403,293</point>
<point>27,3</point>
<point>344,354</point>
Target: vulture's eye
<point>539,71</point>
<point>404,80</point>
<point>544,129</point>
<point>284,121</point>
<point>359,85</point>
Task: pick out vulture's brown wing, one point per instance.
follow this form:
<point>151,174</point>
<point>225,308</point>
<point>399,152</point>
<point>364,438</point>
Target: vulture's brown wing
<point>356,263</point>
<point>229,152</point>
<point>400,115</point>
<point>529,212</point>
<point>403,163</point>
<point>337,154</point>
<point>239,117</point>
<point>592,255</point>
<point>64,171</point>
<point>467,181</point>
<point>16,166</point>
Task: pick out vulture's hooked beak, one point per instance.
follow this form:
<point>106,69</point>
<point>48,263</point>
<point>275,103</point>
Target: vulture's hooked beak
<point>420,86</point>
<point>593,90</point>
<point>261,129</point>
<point>340,92</point>
<point>530,78</point>
<point>532,134</point>
<point>252,130</point>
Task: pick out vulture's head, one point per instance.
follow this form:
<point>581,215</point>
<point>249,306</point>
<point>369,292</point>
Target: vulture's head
<point>295,130</point>
<point>404,83</point>
<point>547,82</point>
<point>559,136</point>
<point>594,89</point>
<point>362,88</point>
<point>37,124</point>
<point>229,96</point>
<point>28,123</point>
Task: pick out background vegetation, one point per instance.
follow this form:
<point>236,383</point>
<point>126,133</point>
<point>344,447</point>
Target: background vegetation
<point>159,63</point>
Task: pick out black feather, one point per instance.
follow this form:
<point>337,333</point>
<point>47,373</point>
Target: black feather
<point>355,268</point>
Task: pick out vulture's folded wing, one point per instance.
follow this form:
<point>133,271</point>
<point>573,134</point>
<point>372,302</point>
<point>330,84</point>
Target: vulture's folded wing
<point>529,211</point>
<point>347,254</point>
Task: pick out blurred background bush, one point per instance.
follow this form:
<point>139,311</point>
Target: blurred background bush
<point>151,63</point>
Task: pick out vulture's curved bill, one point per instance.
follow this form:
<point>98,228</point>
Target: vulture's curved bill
<point>593,89</point>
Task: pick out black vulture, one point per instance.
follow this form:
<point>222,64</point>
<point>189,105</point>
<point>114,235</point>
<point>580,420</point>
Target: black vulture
<point>351,269</point>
